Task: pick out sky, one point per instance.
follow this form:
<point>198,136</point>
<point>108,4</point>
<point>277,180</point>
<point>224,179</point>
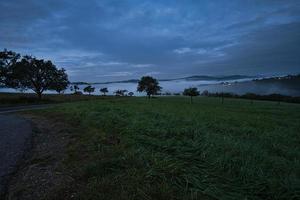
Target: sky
<point>108,40</point>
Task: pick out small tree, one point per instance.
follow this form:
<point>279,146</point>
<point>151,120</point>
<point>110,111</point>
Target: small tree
<point>130,94</point>
<point>32,73</point>
<point>192,92</point>
<point>149,85</point>
<point>104,91</point>
<point>120,92</point>
<point>75,88</point>
<point>61,81</point>
<point>89,89</point>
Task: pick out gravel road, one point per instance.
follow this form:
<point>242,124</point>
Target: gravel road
<point>15,134</point>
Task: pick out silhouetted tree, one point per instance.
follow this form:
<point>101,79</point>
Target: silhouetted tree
<point>32,73</point>
<point>61,81</point>
<point>89,89</point>
<point>104,91</point>
<point>74,88</point>
<point>7,59</point>
<point>192,92</point>
<point>149,85</point>
<point>120,92</point>
<point>130,94</point>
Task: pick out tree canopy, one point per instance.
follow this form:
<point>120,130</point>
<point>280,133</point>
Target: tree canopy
<point>192,92</point>
<point>74,88</point>
<point>149,85</point>
<point>31,73</point>
<point>104,91</point>
<point>61,81</point>
<point>89,89</point>
<point>7,59</point>
<point>120,92</point>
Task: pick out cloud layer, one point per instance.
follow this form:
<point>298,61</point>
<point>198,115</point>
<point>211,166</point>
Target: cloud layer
<point>112,40</point>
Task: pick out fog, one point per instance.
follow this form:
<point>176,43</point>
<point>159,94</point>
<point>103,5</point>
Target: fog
<point>177,86</point>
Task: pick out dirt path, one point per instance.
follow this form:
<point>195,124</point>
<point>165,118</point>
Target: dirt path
<point>15,134</point>
<point>43,174</point>
<point>15,139</point>
<point>6,110</point>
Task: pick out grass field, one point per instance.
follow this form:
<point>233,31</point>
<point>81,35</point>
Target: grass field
<point>166,148</point>
<point>16,99</point>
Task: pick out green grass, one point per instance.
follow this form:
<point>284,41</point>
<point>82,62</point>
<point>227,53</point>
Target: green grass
<point>18,99</point>
<point>170,149</point>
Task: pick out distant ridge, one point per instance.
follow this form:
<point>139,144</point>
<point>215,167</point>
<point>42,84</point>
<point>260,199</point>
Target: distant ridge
<point>188,78</point>
<point>202,78</point>
<point>208,78</point>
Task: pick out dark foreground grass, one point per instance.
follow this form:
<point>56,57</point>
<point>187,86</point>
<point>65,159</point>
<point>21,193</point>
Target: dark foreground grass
<point>17,99</point>
<point>166,148</point>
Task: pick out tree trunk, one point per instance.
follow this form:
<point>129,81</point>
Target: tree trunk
<point>149,96</point>
<point>39,94</point>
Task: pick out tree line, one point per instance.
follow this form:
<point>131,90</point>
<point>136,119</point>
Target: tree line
<point>28,72</point>
<point>89,89</point>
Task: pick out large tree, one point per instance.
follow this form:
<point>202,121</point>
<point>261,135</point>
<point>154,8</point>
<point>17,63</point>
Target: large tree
<point>149,85</point>
<point>31,73</point>
<point>7,59</point>
<point>192,92</point>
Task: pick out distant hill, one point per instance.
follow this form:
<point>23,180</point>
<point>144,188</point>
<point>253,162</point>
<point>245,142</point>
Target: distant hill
<point>189,78</point>
<point>289,79</point>
<point>109,82</point>
<point>216,78</point>
<point>280,78</point>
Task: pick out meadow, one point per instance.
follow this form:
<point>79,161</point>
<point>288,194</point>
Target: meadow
<point>167,148</point>
<point>20,99</point>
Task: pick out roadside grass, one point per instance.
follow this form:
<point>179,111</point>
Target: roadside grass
<point>167,148</point>
<point>17,99</point>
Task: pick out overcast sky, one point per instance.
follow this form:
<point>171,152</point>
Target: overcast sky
<point>102,40</point>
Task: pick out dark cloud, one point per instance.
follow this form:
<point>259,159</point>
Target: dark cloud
<point>112,39</point>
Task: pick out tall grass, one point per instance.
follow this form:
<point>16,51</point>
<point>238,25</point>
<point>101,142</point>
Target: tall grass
<point>170,149</point>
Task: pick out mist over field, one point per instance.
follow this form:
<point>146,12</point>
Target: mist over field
<point>235,86</point>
